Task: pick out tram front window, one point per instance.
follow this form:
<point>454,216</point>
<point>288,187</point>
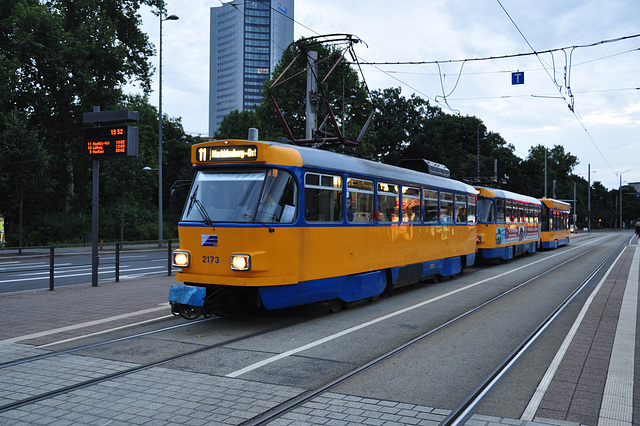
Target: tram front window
<point>266,196</point>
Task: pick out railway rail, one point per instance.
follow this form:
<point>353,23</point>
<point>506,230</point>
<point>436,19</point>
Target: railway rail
<point>127,371</point>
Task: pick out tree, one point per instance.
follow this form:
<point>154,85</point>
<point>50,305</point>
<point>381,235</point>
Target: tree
<point>559,165</point>
<point>22,164</point>
<point>58,59</point>
<point>396,127</point>
<point>237,124</point>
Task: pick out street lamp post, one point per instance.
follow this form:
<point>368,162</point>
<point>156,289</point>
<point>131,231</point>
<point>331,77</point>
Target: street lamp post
<point>168,18</point>
<point>478,156</point>
<point>620,191</point>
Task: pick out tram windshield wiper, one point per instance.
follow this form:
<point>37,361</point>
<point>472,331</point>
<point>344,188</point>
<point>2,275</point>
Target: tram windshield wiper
<point>246,214</point>
<point>200,207</point>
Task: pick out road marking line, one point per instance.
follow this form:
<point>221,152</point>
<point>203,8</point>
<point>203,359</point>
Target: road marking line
<point>149,321</point>
<point>81,325</point>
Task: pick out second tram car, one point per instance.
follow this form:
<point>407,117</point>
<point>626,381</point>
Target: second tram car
<point>508,224</point>
<point>275,225</point>
<point>555,223</point>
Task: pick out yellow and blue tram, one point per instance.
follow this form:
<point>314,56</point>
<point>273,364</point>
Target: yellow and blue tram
<point>275,225</point>
<point>508,224</point>
<point>555,223</point>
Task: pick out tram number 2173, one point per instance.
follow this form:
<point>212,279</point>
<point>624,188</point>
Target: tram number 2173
<point>210,259</point>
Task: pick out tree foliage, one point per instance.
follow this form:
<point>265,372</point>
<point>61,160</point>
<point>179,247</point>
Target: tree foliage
<point>22,162</point>
<point>59,58</point>
<point>237,124</point>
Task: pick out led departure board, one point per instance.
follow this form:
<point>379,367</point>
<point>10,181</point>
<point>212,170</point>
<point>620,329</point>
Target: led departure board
<point>110,142</point>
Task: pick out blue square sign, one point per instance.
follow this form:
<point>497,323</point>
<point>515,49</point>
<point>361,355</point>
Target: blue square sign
<point>517,77</point>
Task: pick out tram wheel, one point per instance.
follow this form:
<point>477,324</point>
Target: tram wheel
<point>189,312</point>
<point>335,305</point>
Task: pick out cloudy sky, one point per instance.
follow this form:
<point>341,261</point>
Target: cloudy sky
<point>601,80</point>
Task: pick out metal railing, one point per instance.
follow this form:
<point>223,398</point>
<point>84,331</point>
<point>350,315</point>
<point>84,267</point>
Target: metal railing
<point>70,250</point>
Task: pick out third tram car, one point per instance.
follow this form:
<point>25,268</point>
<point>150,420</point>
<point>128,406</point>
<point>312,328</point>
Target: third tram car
<point>555,223</point>
<point>508,224</point>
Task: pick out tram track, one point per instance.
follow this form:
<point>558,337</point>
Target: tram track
<point>141,367</point>
<point>465,409</point>
<point>96,345</point>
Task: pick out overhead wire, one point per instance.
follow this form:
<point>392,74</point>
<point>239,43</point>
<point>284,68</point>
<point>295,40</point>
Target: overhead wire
<point>545,67</point>
<point>508,56</point>
<point>571,104</point>
<point>490,58</point>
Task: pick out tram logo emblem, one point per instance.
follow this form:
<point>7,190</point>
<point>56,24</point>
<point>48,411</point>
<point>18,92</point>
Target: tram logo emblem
<point>209,240</point>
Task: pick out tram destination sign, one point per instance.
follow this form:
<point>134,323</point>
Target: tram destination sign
<point>227,153</point>
<point>110,142</point>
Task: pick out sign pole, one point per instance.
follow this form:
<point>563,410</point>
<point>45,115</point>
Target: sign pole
<point>95,259</point>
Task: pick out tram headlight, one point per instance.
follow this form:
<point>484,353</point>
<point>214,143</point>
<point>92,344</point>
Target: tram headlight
<point>240,262</point>
<point>181,258</point>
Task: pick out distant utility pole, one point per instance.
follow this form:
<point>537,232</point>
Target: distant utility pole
<point>545,172</point>
<point>589,198</point>
<point>312,94</point>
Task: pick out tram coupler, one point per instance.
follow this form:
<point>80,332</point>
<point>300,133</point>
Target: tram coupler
<point>187,301</point>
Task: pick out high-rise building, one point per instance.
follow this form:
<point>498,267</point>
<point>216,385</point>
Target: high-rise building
<point>247,40</point>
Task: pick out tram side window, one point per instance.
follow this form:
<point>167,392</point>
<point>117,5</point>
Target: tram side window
<point>430,205</point>
<point>471,217</point>
<point>509,216</point>
<point>388,203</point>
<point>323,198</point>
<point>446,207</point>
<point>360,200</point>
<point>520,214</point>
<point>410,204</point>
<point>461,208</point>
<point>500,211</point>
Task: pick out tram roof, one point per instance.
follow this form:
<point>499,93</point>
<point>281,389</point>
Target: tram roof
<point>556,204</point>
<point>500,193</point>
<point>327,160</point>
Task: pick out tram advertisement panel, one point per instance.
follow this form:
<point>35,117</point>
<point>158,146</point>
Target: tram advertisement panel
<point>514,234</point>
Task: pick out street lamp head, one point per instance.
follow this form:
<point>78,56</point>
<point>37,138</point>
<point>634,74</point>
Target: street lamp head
<point>171,18</point>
